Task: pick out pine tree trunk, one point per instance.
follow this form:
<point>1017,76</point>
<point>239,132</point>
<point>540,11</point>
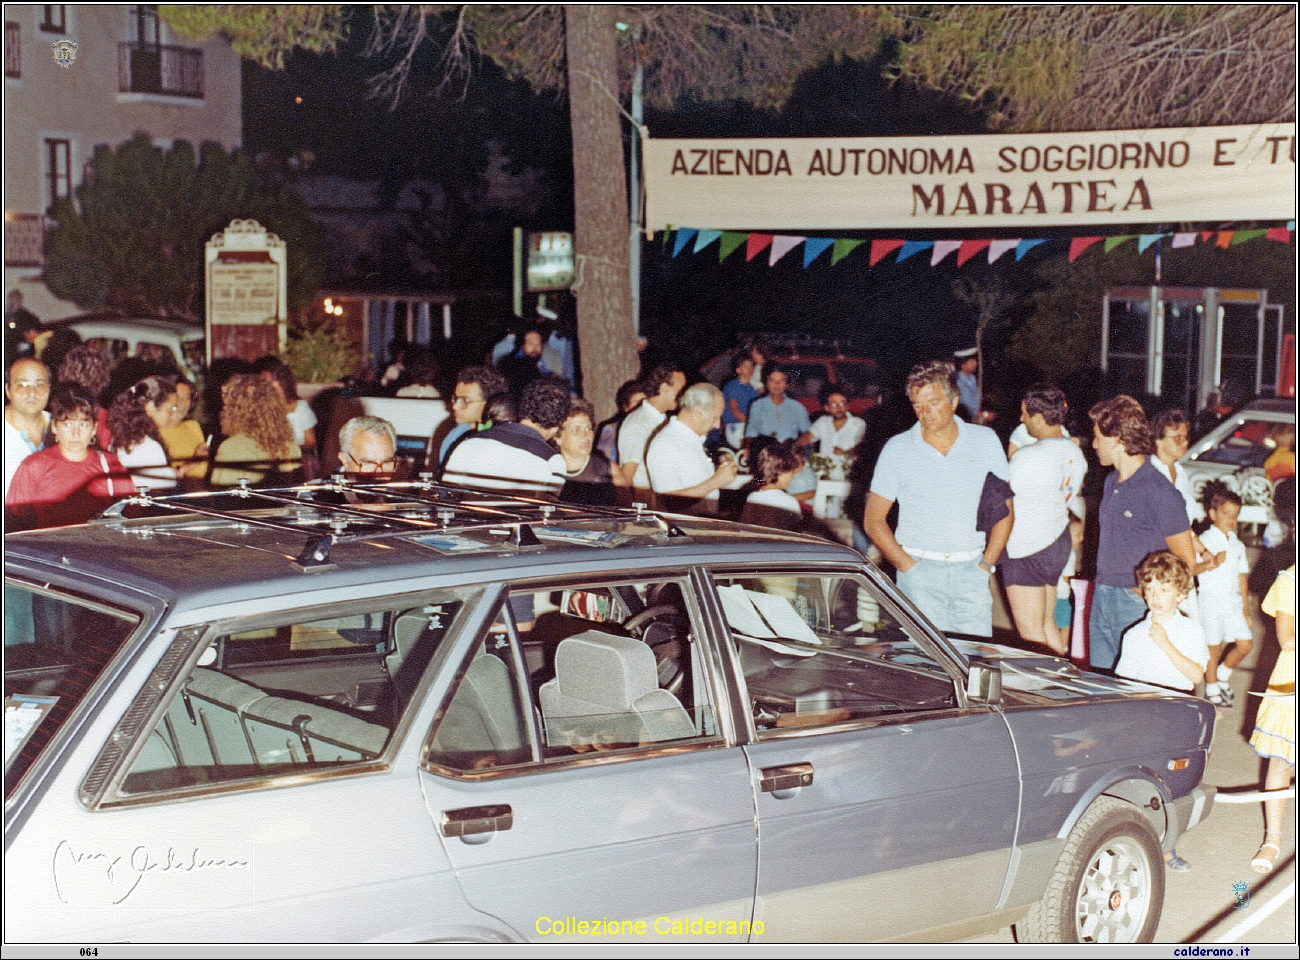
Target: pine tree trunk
<point>604,296</point>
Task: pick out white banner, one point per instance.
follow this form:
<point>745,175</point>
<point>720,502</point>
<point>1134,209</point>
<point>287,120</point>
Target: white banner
<point>1194,175</point>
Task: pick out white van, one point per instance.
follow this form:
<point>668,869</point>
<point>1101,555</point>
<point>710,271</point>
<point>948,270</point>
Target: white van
<point>121,337</point>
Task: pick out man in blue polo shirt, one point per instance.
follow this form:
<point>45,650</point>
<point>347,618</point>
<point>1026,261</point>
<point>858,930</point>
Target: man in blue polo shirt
<point>1140,512</point>
<point>936,473</point>
<point>776,415</point>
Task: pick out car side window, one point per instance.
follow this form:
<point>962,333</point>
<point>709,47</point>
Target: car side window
<point>594,667</point>
<point>309,693</point>
<point>821,649</point>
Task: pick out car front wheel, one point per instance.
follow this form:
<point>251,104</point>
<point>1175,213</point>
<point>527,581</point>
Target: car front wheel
<point>1108,886</point>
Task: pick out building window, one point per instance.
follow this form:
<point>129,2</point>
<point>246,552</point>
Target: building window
<point>58,169</point>
<point>13,50</point>
<point>55,18</point>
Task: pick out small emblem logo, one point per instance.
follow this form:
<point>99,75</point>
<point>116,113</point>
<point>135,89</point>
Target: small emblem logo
<point>1241,890</point>
<point>65,51</point>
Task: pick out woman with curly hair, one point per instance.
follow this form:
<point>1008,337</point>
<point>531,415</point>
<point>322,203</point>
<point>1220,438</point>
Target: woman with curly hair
<point>133,421</point>
<point>87,367</point>
<point>300,414</point>
<point>259,439</point>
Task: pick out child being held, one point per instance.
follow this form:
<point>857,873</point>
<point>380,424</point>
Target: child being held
<point>1224,608</point>
<point>1165,648</point>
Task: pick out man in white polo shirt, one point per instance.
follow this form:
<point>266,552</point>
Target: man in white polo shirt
<point>662,386</point>
<point>681,473</point>
<point>936,473</point>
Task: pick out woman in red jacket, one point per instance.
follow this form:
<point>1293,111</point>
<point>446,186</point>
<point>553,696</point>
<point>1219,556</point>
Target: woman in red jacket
<point>72,481</point>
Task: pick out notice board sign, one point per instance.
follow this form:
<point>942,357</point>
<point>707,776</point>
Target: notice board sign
<point>246,292</point>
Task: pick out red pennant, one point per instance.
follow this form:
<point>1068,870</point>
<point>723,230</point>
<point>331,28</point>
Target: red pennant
<point>882,248</point>
<point>1280,234</point>
<point>1205,235</point>
<point>1224,240</point>
<point>756,244</point>
<point>969,248</point>
<point>1080,244</point>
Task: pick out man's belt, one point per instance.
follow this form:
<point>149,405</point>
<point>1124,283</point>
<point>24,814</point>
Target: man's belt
<point>960,556</point>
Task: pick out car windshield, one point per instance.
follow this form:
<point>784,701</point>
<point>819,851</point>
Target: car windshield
<point>56,647</point>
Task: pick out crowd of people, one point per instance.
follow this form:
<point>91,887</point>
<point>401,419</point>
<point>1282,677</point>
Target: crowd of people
<point>1170,598</point>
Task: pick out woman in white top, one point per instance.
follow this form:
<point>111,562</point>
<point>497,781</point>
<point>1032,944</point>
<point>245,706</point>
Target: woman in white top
<point>774,466</point>
<point>300,414</point>
<point>136,442</point>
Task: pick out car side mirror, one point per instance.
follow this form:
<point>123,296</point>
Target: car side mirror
<point>984,683</point>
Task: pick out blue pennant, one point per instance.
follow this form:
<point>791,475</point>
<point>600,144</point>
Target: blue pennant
<point>911,247</point>
<point>684,235</point>
<point>812,248</point>
<point>1024,246</point>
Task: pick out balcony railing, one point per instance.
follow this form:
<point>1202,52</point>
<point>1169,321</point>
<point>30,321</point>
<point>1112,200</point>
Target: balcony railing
<point>169,71</point>
<point>24,240</point>
<point>13,50</point>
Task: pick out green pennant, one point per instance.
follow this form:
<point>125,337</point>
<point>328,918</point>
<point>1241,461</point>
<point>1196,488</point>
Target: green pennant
<point>731,239</point>
<point>1113,242</point>
<point>843,248</point>
<point>1241,236</point>
<point>668,232</point>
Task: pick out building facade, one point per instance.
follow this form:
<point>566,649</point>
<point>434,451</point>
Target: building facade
<point>126,73</point>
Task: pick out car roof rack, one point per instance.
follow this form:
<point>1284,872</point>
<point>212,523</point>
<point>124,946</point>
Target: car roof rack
<point>325,513</point>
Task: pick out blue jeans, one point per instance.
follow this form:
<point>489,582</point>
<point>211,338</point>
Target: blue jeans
<point>955,596</point>
<point>1114,610</point>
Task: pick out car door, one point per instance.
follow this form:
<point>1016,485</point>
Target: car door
<point>887,804</point>
<point>252,780</point>
<point>582,776</point>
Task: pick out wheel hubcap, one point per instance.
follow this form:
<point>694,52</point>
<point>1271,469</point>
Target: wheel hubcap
<point>1115,894</point>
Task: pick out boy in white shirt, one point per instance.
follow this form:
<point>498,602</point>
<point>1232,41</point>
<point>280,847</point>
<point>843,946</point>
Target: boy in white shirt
<point>1166,648</point>
<point>1224,608</point>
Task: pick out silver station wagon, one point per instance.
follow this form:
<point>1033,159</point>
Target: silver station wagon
<point>411,713</point>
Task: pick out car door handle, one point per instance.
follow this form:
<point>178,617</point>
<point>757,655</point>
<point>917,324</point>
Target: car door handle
<point>468,821</point>
<point>791,776</point>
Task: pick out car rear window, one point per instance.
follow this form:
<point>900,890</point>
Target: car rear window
<point>56,647</point>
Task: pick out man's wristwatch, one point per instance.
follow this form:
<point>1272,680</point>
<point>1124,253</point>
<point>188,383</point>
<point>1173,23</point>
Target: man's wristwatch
<point>990,567</point>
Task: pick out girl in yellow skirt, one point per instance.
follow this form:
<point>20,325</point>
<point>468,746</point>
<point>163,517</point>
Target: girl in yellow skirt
<point>1274,736</point>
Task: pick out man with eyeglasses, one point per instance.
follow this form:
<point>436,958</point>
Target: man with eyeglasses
<point>474,385</point>
<point>27,390</point>
<point>368,449</point>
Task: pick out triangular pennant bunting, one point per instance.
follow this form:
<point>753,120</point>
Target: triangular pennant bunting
<point>1147,239</point>
<point>1183,240</point>
<point>1024,246</point>
<point>1080,244</point>
<point>781,245</point>
<point>882,248</point>
<point>704,238</point>
<point>756,244</point>
<point>999,247</point>
<point>969,248</point>
<point>731,239</point>
<point>843,248</point>
<point>1113,242</point>
<point>813,247</point>
<point>1241,236</point>
<point>1280,234</point>
<point>684,235</point>
<point>941,249</point>
<point>913,246</point>
<point>1223,239</point>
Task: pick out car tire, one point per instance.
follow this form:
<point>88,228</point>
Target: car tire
<point>1108,885</point>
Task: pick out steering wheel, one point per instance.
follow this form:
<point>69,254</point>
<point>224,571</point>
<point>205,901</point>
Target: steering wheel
<point>672,672</point>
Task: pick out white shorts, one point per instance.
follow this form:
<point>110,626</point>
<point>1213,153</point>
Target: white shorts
<point>1223,625</point>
